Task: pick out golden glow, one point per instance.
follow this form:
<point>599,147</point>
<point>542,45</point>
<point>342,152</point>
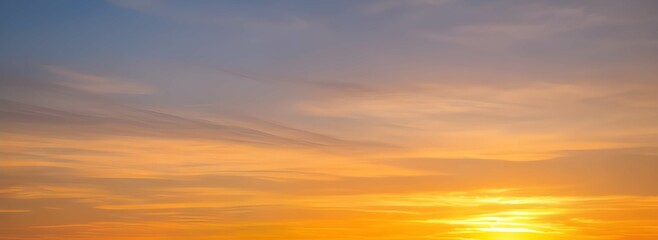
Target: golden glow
<point>330,202</point>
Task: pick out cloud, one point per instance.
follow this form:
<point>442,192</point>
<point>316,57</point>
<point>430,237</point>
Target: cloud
<point>536,23</point>
<point>597,172</point>
<point>578,173</point>
<point>97,84</point>
<point>127,121</point>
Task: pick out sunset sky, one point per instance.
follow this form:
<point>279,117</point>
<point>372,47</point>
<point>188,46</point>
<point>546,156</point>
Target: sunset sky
<point>329,120</point>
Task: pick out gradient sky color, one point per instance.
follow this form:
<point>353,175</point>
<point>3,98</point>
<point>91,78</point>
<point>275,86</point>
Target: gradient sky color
<point>329,120</point>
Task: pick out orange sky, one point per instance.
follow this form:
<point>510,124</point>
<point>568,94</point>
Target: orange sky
<point>332,120</point>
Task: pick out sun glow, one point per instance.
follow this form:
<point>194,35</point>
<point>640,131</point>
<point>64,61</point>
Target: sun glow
<point>505,229</point>
<point>529,218</point>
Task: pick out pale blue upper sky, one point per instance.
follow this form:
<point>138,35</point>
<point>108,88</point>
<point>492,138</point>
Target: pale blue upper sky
<point>328,36</point>
<point>293,61</point>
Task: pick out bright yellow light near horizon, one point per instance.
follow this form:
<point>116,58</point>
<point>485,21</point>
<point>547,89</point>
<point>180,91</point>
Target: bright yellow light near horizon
<point>513,236</point>
<point>508,229</point>
<point>528,221</point>
<point>522,224</point>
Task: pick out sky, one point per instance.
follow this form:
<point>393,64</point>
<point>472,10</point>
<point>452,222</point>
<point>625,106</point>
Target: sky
<point>329,120</point>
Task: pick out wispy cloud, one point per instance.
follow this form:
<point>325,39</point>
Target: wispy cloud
<point>524,23</point>
<point>124,120</point>
<point>96,83</point>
